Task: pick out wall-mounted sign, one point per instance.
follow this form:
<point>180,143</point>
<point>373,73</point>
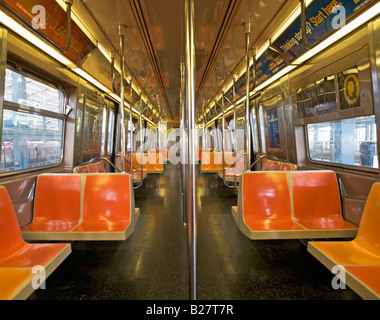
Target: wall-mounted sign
<point>268,64</point>
<point>322,16</point>
<point>55,27</point>
<point>351,89</point>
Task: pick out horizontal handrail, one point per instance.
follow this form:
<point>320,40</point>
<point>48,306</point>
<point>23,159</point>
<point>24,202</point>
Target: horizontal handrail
<point>141,170</point>
<point>267,156</point>
<point>119,156</point>
<point>105,159</point>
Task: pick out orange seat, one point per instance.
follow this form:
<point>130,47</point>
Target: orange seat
<point>317,202</point>
<point>274,165</point>
<point>137,176</point>
<point>364,280</point>
<point>15,283</point>
<point>57,204</point>
<point>151,162</point>
<point>212,162</point>
<point>290,205</point>
<point>90,168</point>
<point>199,154</point>
<point>288,166</point>
<point>265,206</point>
<point>81,169</point>
<point>107,207</point>
<point>15,253</point>
<point>266,165</point>
<point>229,173</point>
<point>136,173</point>
<point>364,250</point>
<point>200,151</point>
<point>208,161</point>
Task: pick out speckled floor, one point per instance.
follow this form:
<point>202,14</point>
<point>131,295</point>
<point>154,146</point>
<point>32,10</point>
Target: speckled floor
<point>153,263</point>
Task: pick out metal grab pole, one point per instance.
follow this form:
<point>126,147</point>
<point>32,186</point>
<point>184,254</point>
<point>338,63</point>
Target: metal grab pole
<point>192,191</point>
<point>223,133</point>
<point>131,126</point>
<point>303,25</point>
<point>69,4</point>
<point>122,125</point>
<point>184,158</point>
<point>141,145</point>
<point>235,135</point>
<point>247,28</point>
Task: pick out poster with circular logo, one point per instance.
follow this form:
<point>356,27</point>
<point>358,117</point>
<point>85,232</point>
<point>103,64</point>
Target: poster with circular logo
<point>349,90</point>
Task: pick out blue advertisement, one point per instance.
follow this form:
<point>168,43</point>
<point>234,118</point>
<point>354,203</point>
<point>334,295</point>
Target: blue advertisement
<point>268,64</point>
<point>240,84</point>
<point>321,17</point>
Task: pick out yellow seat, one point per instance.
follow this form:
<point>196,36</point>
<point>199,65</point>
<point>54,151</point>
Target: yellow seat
<point>212,162</point>
<point>17,258</point>
<point>364,250</point>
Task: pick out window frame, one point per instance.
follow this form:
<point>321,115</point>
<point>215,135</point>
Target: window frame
<point>29,110</point>
<point>336,164</point>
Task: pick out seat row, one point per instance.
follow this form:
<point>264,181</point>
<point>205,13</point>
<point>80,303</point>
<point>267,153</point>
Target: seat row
<point>212,162</point>
<point>97,206</point>
<point>307,205</point>
<point>268,165</point>
<point>152,162</point>
<point>277,165</point>
<point>236,169</point>
<point>137,174</point>
<point>291,205</point>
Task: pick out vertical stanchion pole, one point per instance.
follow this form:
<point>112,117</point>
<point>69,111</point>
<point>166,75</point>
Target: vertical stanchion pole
<point>184,157</point>
<point>247,29</point>
<point>131,125</point>
<point>223,136</point>
<point>190,101</point>
<point>122,125</point>
<point>235,135</point>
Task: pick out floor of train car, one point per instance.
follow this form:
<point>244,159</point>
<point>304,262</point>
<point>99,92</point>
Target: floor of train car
<point>153,263</point>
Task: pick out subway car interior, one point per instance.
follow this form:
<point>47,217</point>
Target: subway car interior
<point>189,150</point>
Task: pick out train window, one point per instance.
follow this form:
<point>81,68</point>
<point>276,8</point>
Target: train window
<point>24,90</point>
<point>218,135</point>
<point>127,135</point>
<point>255,138</point>
<point>206,143</point>
<point>240,128</point>
<point>273,124</point>
<point>33,122</point>
<point>317,98</point>
<point>92,131</point>
<point>104,128</point>
<point>348,141</point>
<point>262,129</point>
<point>111,125</point>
